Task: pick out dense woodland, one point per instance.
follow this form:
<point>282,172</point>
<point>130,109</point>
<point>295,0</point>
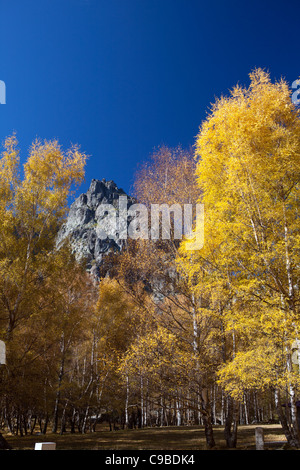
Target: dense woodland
<point>170,336</point>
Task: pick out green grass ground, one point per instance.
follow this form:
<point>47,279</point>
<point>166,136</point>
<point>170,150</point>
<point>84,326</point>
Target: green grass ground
<point>166,438</point>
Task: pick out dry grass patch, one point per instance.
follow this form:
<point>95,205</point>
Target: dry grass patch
<point>165,438</point>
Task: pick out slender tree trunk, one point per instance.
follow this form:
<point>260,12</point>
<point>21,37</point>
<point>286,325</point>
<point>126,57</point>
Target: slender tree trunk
<point>206,418</point>
<point>63,419</point>
<point>178,413</point>
<point>208,429</point>
<point>231,423</point>
<point>126,403</point>
<point>46,421</point>
<point>58,393</point>
<point>142,400</point>
<point>32,426</point>
<point>290,313</point>
<point>288,431</point>
<point>246,409</point>
<point>86,414</point>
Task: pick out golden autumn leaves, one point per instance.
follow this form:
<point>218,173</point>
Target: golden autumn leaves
<point>31,209</point>
<point>188,335</point>
<point>44,294</point>
<point>249,173</point>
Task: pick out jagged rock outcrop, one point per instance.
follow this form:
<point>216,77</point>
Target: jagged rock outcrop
<point>86,223</point>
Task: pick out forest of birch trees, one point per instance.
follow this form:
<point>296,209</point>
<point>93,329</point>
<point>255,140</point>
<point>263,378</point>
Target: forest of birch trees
<point>169,336</point>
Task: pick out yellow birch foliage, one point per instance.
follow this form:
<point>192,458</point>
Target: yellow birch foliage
<point>248,171</point>
<point>33,202</point>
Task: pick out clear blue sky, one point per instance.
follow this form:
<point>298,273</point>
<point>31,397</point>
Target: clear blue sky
<point>120,77</point>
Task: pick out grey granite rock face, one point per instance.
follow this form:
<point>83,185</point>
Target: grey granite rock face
<point>87,224</point>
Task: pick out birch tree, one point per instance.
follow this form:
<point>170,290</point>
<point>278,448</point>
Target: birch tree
<point>248,171</point>
<point>32,207</point>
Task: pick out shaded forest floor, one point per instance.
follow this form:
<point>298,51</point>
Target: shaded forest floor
<point>165,438</point>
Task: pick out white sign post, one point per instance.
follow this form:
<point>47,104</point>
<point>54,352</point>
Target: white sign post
<point>2,353</point>
<point>45,446</point>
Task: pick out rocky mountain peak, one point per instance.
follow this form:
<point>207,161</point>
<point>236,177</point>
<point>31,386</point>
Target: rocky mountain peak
<point>82,224</point>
